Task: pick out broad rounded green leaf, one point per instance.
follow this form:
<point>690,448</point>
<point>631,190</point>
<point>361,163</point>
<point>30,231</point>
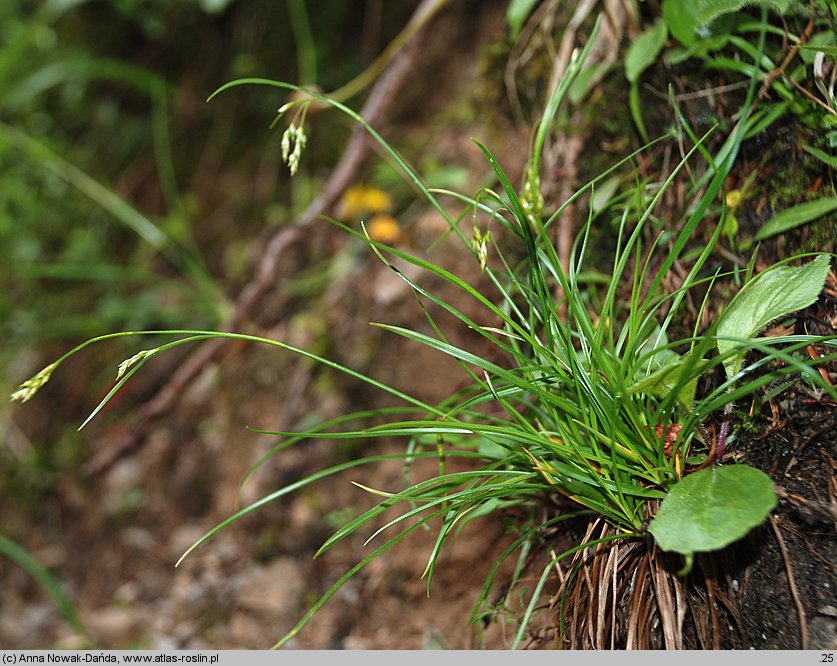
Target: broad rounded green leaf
<point>775,294</point>
<point>709,10</point>
<point>688,19</point>
<point>795,216</point>
<point>517,13</point>
<point>820,42</point>
<point>712,508</point>
<point>670,379</point>
<point>643,51</point>
<point>682,21</point>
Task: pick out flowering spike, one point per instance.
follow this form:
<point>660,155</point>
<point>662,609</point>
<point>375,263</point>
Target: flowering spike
<point>479,243</point>
<point>31,386</point>
<point>136,358</point>
<point>293,136</point>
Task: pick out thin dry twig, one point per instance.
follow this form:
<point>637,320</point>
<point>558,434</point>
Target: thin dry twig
<point>813,97</point>
<point>803,622</point>
<point>791,54</point>
<point>522,52</point>
<point>679,608</point>
<point>832,485</point>
<point>713,614</point>
<point>614,597</point>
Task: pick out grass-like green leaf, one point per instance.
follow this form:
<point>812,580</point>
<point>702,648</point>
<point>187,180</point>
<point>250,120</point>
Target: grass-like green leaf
<point>796,216</point>
<point>827,50</point>
<point>152,233</point>
<point>712,508</point>
<point>774,294</point>
<point>821,155</point>
<point>46,580</point>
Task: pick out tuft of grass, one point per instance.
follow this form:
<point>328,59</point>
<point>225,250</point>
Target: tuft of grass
<point>598,405</point>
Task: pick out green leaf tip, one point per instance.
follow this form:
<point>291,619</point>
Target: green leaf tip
<point>712,508</point>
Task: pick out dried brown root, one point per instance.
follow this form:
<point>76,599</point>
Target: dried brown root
<point>627,595</point>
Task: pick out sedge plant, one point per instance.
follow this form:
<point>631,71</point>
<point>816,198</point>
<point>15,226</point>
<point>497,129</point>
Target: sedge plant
<point>595,405</point>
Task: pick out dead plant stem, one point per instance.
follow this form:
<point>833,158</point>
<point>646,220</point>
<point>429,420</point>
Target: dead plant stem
<point>803,623</point>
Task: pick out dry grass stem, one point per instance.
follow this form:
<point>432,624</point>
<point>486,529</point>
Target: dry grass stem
<point>803,622</point>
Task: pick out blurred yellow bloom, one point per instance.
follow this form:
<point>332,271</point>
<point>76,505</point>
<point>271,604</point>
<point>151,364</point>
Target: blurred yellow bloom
<point>734,198</point>
<point>360,200</point>
<point>384,229</point>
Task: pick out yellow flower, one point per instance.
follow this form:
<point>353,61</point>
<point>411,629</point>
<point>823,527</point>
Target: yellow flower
<point>734,198</point>
<point>360,200</point>
<point>384,229</point>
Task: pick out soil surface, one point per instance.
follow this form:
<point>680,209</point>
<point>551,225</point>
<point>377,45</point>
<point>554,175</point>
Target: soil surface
<point>785,578</point>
